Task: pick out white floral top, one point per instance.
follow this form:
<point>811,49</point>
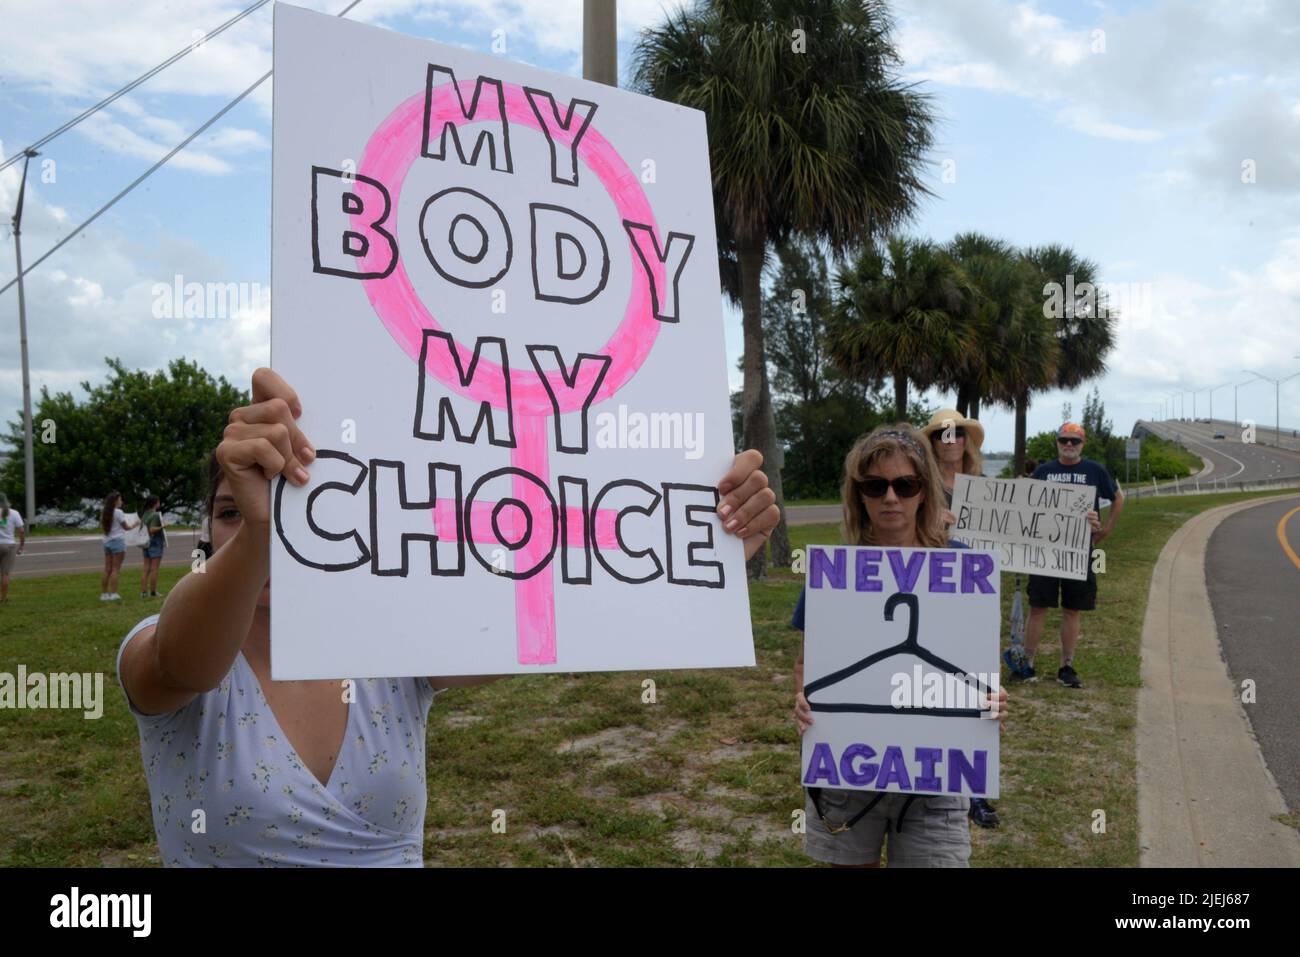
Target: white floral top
<point>228,789</point>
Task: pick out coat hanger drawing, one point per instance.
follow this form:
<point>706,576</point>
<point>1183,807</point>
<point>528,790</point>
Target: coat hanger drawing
<point>909,646</point>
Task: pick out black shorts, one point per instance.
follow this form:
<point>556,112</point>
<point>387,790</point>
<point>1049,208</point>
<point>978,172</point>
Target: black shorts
<point>1075,595</point>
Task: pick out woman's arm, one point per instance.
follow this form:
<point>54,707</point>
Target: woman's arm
<point>802,713</point>
<point>206,617</point>
<point>203,624</point>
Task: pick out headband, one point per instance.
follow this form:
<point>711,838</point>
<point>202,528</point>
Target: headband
<point>904,437</point>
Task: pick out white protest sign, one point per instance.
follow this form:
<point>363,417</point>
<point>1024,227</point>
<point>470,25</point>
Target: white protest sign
<point>139,535</point>
<point>900,653</point>
<point>496,293</point>
<point>1034,526</point>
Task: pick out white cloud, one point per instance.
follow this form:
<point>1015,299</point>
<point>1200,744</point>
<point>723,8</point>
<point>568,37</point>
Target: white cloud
<point>98,303</point>
<point>1088,120</point>
<point>1203,332</point>
<point>1160,70</point>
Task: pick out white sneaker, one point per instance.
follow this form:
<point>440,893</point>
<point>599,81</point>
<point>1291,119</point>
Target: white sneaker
<point>115,597</point>
<point>103,596</point>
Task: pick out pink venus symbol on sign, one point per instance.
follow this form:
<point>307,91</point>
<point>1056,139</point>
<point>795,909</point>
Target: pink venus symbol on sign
<point>392,149</point>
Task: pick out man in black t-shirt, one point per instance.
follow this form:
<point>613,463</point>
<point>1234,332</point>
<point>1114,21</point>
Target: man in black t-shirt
<point>1075,596</point>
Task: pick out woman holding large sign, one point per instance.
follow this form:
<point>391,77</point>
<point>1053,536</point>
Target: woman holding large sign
<point>893,498</point>
<point>244,770</point>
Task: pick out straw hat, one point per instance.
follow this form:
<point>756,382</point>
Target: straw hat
<point>951,417</point>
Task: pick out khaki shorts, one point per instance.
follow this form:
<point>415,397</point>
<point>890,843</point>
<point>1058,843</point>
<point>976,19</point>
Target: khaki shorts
<point>932,832</point>
<point>7,553</point>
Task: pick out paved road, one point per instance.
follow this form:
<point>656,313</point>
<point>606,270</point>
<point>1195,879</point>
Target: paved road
<point>61,554</point>
<point>813,514</point>
<point>1228,459</point>
<point>1254,587</point>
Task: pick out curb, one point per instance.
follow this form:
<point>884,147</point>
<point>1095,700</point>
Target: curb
<point>1205,796</point>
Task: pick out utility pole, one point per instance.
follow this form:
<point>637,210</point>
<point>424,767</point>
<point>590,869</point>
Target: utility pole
<point>600,41</point>
<point>29,467</point>
<point>1212,391</point>
<point>1277,403</point>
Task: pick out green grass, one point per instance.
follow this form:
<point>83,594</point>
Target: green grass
<point>589,774</point>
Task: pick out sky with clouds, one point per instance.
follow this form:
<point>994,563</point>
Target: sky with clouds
<point>1119,128</point>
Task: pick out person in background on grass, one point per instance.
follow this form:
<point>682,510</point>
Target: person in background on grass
<point>11,528</point>
<point>956,441</point>
<point>292,772</point>
<point>1075,596</point>
<point>113,523</point>
<point>153,552</point>
<point>892,497</point>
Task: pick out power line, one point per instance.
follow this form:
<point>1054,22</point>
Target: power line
<point>134,83</point>
<point>139,179</point>
<point>152,169</point>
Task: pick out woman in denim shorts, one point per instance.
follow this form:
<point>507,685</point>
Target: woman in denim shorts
<point>892,496</point>
<point>153,552</point>
<point>113,523</point>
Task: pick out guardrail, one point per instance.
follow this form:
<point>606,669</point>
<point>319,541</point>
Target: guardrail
<point>1191,486</point>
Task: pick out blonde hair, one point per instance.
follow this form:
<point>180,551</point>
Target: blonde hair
<point>899,439</point>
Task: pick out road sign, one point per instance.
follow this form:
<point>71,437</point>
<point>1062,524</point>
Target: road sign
<point>1132,448</point>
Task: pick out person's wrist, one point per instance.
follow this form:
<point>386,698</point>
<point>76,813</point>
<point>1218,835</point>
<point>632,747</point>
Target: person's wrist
<point>253,540</point>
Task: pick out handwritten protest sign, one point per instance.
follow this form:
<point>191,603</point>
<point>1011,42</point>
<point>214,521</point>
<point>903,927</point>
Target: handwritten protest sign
<point>1036,527</point>
<point>900,652</point>
<point>496,292</point>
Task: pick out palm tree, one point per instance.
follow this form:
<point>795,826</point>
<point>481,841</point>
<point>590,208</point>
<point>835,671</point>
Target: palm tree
<point>1085,325</point>
<point>1021,346</point>
<point>899,314</point>
<point>810,133</point>
<point>991,267</point>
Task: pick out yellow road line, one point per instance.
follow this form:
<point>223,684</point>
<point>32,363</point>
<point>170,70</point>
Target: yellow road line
<point>1281,537</point>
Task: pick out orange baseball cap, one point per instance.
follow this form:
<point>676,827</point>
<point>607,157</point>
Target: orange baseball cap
<point>1072,430</point>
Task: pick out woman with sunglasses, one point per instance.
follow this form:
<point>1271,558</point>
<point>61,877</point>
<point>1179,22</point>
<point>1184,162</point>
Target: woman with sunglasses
<point>892,497</point>
<point>956,441</point>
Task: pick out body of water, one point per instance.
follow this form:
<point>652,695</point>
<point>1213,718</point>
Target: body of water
<point>993,467</point>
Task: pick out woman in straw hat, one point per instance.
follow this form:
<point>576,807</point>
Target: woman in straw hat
<point>956,441</point>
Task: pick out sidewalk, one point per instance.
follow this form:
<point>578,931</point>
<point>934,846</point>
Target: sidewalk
<point>95,537</point>
<point>1205,796</point>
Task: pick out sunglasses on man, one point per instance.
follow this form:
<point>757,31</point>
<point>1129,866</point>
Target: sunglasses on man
<point>905,487</point>
<point>1070,441</point>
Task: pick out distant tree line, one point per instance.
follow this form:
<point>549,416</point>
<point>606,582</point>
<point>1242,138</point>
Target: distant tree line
<point>137,432</point>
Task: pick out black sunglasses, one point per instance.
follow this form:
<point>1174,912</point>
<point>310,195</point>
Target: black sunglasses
<point>905,487</point>
<point>958,433</point>
<point>1070,441</point>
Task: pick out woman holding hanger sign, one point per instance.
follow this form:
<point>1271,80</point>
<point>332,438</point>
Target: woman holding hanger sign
<point>892,497</point>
